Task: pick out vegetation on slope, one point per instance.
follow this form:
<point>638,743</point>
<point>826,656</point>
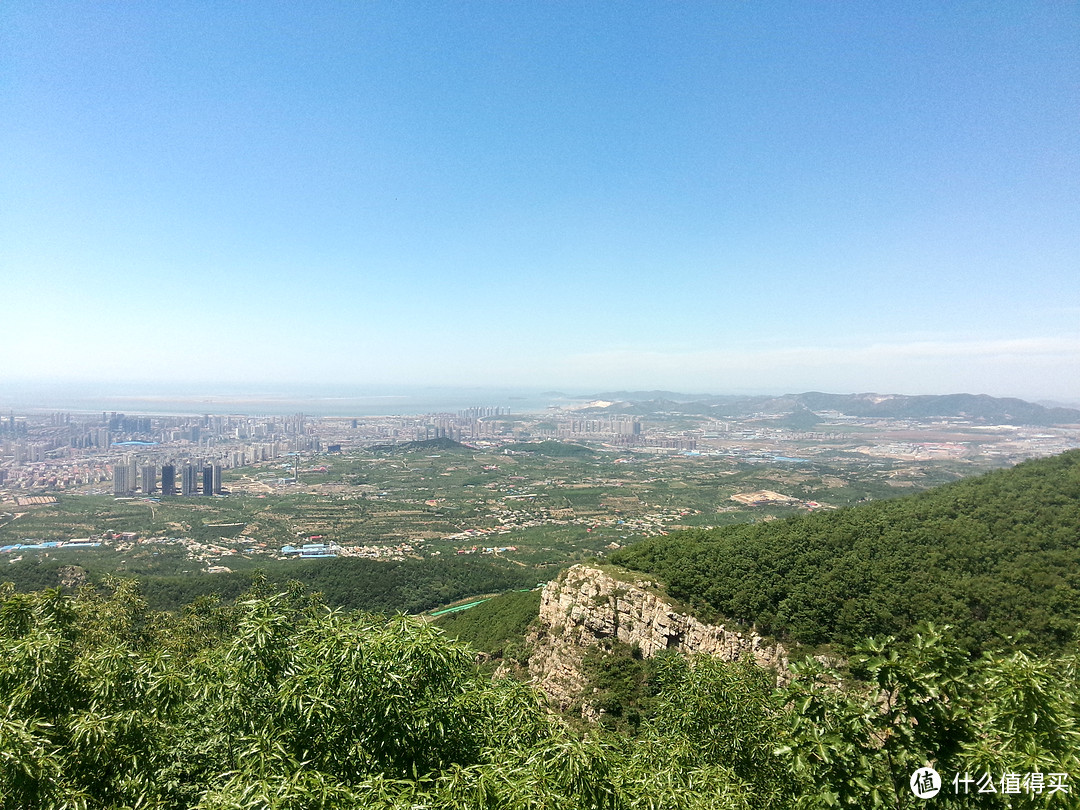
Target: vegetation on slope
<point>551,449</point>
<point>382,586</point>
<point>996,557</point>
<point>494,625</point>
<point>422,446</point>
<point>276,702</point>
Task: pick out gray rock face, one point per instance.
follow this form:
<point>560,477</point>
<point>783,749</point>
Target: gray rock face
<point>72,577</point>
<point>585,606</point>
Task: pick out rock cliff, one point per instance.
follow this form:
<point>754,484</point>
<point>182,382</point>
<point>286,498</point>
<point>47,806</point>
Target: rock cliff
<point>586,606</point>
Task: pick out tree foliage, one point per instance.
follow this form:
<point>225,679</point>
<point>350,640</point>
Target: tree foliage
<point>497,626</point>
<point>995,557</point>
<point>275,701</point>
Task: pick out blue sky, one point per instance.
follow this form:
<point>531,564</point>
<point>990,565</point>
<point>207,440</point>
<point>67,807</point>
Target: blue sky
<point>725,197</point>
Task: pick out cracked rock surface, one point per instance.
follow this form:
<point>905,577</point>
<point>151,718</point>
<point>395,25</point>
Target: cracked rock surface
<point>586,606</point>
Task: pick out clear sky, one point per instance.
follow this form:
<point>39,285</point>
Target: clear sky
<point>723,196</point>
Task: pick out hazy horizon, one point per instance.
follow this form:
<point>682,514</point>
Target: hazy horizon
<point>330,400</point>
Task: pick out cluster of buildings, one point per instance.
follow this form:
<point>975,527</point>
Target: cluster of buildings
<point>51,545</point>
<point>598,427</point>
<point>485,550</point>
<point>311,551</point>
<point>130,477</point>
<point>127,454</point>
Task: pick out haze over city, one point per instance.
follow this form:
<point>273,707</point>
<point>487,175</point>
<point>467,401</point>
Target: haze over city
<point>712,197</point>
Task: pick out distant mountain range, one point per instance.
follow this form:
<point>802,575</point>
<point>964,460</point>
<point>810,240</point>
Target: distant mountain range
<point>806,407</point>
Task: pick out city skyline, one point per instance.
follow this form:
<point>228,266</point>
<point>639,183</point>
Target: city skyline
<point>723,198</point>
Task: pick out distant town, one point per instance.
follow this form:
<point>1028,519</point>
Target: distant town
<point>128,454</point>
<point>511,482</point>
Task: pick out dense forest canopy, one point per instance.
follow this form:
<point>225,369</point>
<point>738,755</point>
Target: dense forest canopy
<point>997,557</point>
<point>277,702</point>
<point>381,586</point>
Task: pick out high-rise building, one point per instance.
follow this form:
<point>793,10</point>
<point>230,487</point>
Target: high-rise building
<point>133,471</point>
<point>207,480</point>
<point>168,479</point>
<point>149,479</point>
<point>122,483</point>
<point>216,478</point>
<point>189,480</point>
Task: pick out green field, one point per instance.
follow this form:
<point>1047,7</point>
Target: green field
<point>534,510</point>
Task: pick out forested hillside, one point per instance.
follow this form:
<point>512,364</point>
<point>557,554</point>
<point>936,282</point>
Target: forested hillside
<point>383,586</point>
<point>997,557</point>
<point>496,624</point>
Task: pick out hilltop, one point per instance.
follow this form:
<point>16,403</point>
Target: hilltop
<point>995,556</point>
<point>550,448</point>
<point>423,445</point>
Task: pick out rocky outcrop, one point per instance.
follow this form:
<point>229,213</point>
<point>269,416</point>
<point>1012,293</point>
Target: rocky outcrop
<point>585,607</point>
<point>71,577</point>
